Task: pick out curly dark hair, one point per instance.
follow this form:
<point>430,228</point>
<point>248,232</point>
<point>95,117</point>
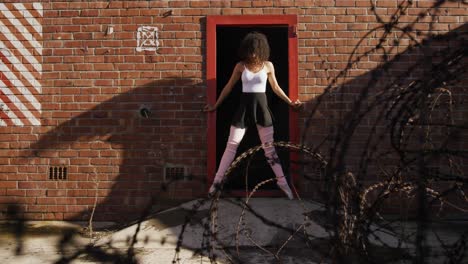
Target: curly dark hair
<point>254,43</point>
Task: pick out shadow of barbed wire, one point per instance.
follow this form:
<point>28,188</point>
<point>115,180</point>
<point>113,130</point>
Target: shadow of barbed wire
<point>397,135</point>
<point>69,248</point>
<point>394,137</point>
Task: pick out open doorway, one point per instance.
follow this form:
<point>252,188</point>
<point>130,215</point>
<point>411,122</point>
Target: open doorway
<point>222,57</point>
<point>227,41</point>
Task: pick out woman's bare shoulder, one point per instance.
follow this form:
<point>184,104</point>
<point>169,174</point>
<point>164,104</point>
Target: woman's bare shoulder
<point>269,66</point>
<point>239,66</point>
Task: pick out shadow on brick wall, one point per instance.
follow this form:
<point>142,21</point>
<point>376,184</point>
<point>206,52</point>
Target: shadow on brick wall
<point>120,148</point>
<point>394,138</point>
<point>401,119</point>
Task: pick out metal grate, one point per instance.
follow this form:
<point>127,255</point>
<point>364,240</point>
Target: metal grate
<point>174,173</point>
<point>57,173</point>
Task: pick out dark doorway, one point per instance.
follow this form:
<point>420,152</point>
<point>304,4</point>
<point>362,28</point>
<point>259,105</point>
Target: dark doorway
<point>228,39</point>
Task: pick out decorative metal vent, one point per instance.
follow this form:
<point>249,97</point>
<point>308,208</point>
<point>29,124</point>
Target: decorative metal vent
<point>316,173</point>
<point>174,172</point>
<point>57,173</point>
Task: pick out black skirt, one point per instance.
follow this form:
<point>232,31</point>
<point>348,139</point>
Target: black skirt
<point>253,110</point>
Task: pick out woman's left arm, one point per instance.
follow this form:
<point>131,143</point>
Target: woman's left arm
<point>277,89</point>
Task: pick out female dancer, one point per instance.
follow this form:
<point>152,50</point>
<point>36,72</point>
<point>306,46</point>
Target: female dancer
<point>254,69</point>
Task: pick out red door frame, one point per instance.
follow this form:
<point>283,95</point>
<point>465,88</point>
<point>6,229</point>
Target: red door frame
<point>250,20</point>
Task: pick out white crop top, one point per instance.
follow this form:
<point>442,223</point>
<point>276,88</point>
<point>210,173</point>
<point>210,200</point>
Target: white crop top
<point>254,82</point>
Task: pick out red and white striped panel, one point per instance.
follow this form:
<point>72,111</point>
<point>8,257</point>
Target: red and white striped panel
<point>20,63</point>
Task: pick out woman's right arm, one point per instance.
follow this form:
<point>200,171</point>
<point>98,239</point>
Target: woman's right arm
<point>236,73</point>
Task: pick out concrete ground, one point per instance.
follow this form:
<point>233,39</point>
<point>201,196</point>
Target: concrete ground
<point>277,227</point>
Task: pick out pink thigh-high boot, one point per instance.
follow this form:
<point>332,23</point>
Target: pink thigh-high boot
<point>266,136</point>
<point>235,137</point>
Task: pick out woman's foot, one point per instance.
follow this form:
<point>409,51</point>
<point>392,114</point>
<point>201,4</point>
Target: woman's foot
<point>283,185</point>
<point>214,187</point>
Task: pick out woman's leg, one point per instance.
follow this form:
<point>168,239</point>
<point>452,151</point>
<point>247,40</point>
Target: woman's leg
<point>235,137</point>
<point>266,136</point>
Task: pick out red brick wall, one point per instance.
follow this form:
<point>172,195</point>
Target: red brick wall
<point>94,85</point>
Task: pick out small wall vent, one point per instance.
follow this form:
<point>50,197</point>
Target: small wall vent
<point>57,173</point>
<point>174,172</point>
